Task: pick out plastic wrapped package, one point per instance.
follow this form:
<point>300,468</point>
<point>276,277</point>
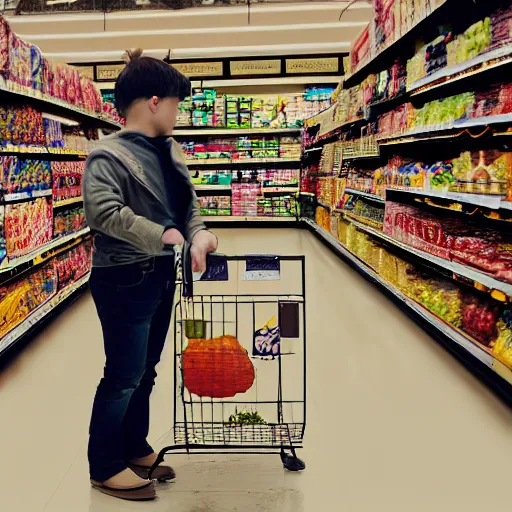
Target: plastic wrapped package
<point>73,264</point>
<point>37,68</point>
<point>69,221</point>
<point>502,348</point>
<point>28,226</point>
<point>441,297</point>
<point>24,175</point>
<point>19,299</point>
<point>4,47</point>
<point>67,179</point>
<point>21,126</point>
<point>480,317</point>
<point>20,61</point>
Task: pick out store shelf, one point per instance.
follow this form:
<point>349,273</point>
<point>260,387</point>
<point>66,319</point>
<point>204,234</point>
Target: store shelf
<point>191,132</point>
<point>386,56</point>
<point>323,205</point>
<point>481,200</point>
<point>483,63</point>
<point>372,197</point>
<point>280,190</point>
<point>233,218</point>
<point>333,134</point>
<point>67,202</point>
<point>41,313</point>
<point>427,133</point>
<point>356,219</point>
<point>278,163</point>
<point>460,272</point>
<point>212,188</point>
<point>53,105</point>
<point>41,254</point>
<point>432,323</point>
<point>22,196</point>
<point>42,153</point>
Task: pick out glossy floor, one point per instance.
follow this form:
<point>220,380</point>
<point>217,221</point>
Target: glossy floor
<point>394,423</point>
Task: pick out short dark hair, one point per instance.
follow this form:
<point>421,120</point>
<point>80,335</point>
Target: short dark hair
<point>145,77</point>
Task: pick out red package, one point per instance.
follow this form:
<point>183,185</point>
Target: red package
<point>479,318</point>
<point>4,46</point>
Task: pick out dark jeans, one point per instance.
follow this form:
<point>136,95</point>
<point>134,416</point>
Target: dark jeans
<point>134,304</point>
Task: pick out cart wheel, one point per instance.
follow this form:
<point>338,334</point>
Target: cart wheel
<point>292,463</point>
<point>159,460</point>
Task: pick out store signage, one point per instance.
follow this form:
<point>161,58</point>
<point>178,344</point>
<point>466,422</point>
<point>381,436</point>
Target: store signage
<point>308,66</point>
<point>255,67</point>
<point>86,71</point>
<point>106,73</point>
<point>193,69</point>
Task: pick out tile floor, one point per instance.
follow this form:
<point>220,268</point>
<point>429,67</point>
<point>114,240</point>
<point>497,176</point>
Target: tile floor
<point>394,423</point>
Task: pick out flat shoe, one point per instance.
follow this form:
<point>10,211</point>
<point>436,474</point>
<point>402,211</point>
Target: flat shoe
<point>145,492</point>
<point>161,473</point>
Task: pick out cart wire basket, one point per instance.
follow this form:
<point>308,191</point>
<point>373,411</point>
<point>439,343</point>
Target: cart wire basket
<point>240,352</point>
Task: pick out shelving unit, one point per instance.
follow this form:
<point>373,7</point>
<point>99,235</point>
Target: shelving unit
<point>45,246</point>
<point>500,377</point>
<point>482,215</point>
<point>198,132</point>
<point>277,163</point>
<point>67,202</point>
<point>372,197</point>
<point>11,94</point>
<point>42,313</point>
<point>43,253</point>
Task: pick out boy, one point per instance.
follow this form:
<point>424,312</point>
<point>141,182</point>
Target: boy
<point>139,202</point>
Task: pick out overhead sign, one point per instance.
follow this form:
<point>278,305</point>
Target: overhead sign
<point>193,69</point>
<point>312,66</point>
<point>108,73</point>
<point>255,67</point>
<point>86,71</point>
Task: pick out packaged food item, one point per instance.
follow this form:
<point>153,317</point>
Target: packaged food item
<point>28,225</point>
<point>24,176</point>
<point>480,317</point>
<point>4,47</point>
<point>67,179</point>
<point>502,348</point>
<point>74,264</point>
<point>22,297</point>
<point>215,205</point>
<point>68,221</point>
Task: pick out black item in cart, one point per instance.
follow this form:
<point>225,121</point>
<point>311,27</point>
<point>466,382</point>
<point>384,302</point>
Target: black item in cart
<point>240,352</point>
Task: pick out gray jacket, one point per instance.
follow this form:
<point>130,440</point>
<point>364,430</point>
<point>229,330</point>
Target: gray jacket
<point>125,200</point>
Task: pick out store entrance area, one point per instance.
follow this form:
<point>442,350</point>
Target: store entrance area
<point>394,423</point>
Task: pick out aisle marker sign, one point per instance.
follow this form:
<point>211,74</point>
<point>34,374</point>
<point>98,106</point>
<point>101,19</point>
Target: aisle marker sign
<point>255,67</point>
<point>194,69</point>
<point>303,66</point>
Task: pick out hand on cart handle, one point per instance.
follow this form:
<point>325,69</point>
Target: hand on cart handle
<point>172,237</point>
<point>203,243</point>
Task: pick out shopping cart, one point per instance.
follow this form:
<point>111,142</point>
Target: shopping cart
<point>240,352</point>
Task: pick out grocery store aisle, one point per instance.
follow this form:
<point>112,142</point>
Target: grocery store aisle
<point>394,423</point>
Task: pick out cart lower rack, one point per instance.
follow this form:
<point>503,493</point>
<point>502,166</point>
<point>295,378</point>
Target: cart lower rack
<point>240,351</point>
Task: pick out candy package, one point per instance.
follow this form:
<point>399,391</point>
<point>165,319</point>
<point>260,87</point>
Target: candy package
<point>28,226</point>
<point>69,221</point>
<point>74,264</point>
<point>24,175</point>
<point>67,179</point>
<point>19,299</point>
